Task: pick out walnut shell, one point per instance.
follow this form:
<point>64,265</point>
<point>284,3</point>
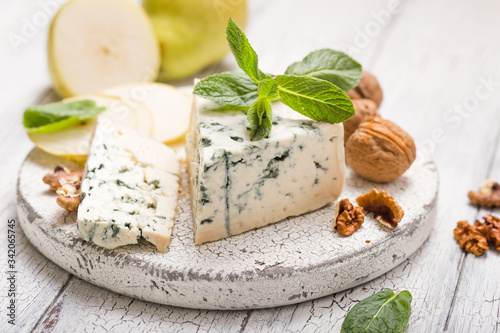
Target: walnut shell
<point>368,87</point>
<point>363,108</point>
<point>380,150</point>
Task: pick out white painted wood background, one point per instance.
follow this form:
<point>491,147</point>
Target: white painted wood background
<point>432,59</point>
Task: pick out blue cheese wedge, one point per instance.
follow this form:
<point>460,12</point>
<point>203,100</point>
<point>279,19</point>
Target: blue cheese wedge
<point>237,185</point>
<point>129,189</point>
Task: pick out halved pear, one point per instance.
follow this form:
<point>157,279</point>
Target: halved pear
<point>95,44</point>
<point>171,108</point>
<point>192,33</point>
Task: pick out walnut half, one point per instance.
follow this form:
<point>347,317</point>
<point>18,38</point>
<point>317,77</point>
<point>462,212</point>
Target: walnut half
<point>68,196</point>
<point>488,195</point>
<point>66,184</point>
<point>349,218</point>
<point>385,208</point>
<point>493,232</point>
<point>471,237</point>
<point>62,176</point>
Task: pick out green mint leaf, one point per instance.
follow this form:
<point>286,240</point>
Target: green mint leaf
<point>317,99</point>
<point>56,116</point>
<point>330,65</point>
<point>260,117</point>
<point>383,312</point>
<point>228,88</point>
<point>243,52</point>
<point>268,88</point>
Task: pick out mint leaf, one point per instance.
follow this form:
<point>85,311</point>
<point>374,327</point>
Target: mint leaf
<point>317,99</point>
<point>383,312</point>
<point>268,88</point>
<point>55,116</point>
<point>260,117</point>
<point>330,65</point>
<point>228,88</point>
<point>243,52</point>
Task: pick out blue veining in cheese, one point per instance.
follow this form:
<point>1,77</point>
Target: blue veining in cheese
<point>238,185</point>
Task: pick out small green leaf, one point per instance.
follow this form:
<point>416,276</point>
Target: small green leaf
<point>55,116</point>
<point>330,65</point>
<point>243,52</point>
<point>268,88</point>
<point>228,88</point>
<point>260,117</point>
<point>384,312</point>
<point>317,99</point>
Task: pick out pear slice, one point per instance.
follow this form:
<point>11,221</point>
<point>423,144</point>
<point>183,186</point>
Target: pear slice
<point>74,142</point>
<point>122,111</point>
<point>117,109</point>
<point>171,108</point>
<point>71,142</point>
<point>95,44</point>
<point>143,115</point>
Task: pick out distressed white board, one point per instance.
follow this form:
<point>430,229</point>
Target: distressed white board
<point>292,261</point>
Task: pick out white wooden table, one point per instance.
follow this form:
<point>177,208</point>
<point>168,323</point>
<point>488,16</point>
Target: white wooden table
<point>438,62</point>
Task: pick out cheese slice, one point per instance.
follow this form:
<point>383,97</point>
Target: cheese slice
<point>129,189</point>
<point>237,185</point>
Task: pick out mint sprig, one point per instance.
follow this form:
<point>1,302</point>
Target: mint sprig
<point>56,116</point>
<point>313,87</point>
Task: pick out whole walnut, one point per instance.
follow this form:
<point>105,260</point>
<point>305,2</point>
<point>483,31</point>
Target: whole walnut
<point>369,88</point>
<point>363,108</point>
<point>380,150</point>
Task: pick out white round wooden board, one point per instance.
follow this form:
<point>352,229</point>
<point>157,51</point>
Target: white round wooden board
<point>294,260</point>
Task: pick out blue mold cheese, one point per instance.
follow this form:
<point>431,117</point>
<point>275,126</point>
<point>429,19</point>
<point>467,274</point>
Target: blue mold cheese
<point>129,189</point>
<point>238,185</point>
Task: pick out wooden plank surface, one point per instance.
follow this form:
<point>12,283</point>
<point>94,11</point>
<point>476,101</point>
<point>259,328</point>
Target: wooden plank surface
<point>85,307</point>
<point>432,58</point>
